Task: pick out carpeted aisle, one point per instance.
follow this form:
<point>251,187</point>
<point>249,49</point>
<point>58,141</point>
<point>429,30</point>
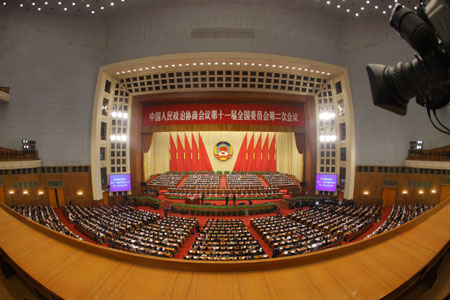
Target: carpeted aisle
<point>72,228</point>
<point>223,182</point>
<point>384,216</point>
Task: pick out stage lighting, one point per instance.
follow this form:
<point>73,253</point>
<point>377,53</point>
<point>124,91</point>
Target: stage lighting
<point>427,76</point>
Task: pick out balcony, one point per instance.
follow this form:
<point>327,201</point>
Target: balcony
<point>13,159</point>
<point>438,158</point>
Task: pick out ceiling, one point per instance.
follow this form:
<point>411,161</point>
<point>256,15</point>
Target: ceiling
<point>94,8</point>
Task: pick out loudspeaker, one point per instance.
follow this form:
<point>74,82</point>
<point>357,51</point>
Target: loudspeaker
<point>303,183</point>
<point>143,184</point>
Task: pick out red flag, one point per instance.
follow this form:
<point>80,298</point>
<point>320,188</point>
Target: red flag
<point>173,155</point>
<point>250,154</point>
<point>187,150</point>
<point>180,155</point>
<point>195,155</point>
<point>205,163</point>
<point>240,160</point>
<point>273,155</point>
<point>265,155</point>
<point>258,163</point>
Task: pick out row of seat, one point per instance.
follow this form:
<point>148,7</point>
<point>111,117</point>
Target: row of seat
<point>202,181</point>
<point>225,240</point>
<point>345,222</point>
<point>277,180</point>
<point>166,179</point>
<point>286,237</point>
<point>243,180</point>
<point>163,238</point>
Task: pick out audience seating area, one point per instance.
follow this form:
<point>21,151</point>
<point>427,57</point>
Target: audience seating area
<point>44,215</point>
<point>239,181</point>
<point>286,237</point>
<point>165,180</point>
<point>401,214</point>
<point>210,181</point>
<point>163,238</point>
<point>223,240</point>
<point>345,222</point>
<point>104,223</point>
<point>279,180</point>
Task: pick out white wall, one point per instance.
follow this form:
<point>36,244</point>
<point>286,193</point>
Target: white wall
<point>382,137</point>
<point>282,27</point>
<point>51,64</point>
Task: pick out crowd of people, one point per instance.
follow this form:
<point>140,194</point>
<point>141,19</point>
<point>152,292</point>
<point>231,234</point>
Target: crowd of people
<point>166,180</point>
<point>44,215</point>
<point>164,238</point>
<point>286,237</point>
<point>239,181</point>
<point>210,181</point>
<point>277,180</point>
<point>401,214</point>
<point>222,240</point>
<point>104,223</point>
<point>345,222</point>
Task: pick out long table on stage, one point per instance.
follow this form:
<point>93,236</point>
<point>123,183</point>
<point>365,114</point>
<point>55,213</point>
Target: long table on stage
<point>384,265</point>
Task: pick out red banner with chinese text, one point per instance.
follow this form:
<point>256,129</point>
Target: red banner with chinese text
<point>224,113</point>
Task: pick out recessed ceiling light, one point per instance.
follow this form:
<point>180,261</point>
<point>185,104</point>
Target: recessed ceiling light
<point>112,3</point>
<point>390,6</point>
<point>328,2</point>
<point>31,3</point>
<point>46,3</point>
<point>21,5</point>
<point>348,10</point>
<point>356,14</point>
<point>88,5</point>
<point>102,7</point>
<point>338,6</point>
<point>39,9</point>
<point>362,8</point>
<point>65,8</point>
<point>384,12</point>
<point>93,12</point>
<point>376,6</point>
<point>73,3</point>
<point>59,3</point>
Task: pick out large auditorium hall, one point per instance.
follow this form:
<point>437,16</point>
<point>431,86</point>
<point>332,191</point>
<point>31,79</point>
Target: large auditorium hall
<point>205,149</point>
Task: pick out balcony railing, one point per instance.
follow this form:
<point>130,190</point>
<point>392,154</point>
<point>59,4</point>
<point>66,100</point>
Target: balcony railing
<point>437,154</point>
<point>11,155</point>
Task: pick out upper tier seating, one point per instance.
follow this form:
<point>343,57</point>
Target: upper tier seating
<point>44,215</point>
<point>399,215</point>
<point>225,240</point>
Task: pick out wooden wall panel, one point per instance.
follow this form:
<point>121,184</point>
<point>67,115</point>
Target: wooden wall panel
<point>373,184</point>
<point>72,184</point>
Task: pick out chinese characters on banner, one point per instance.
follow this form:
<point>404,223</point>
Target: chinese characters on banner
<point>217,113</point>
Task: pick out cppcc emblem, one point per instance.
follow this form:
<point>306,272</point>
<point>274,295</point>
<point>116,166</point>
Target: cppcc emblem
<point>223,150</point>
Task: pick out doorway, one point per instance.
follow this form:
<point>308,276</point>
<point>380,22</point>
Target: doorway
<point>389,196</point>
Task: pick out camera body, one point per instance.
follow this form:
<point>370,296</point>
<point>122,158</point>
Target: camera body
<point>427,76</point>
